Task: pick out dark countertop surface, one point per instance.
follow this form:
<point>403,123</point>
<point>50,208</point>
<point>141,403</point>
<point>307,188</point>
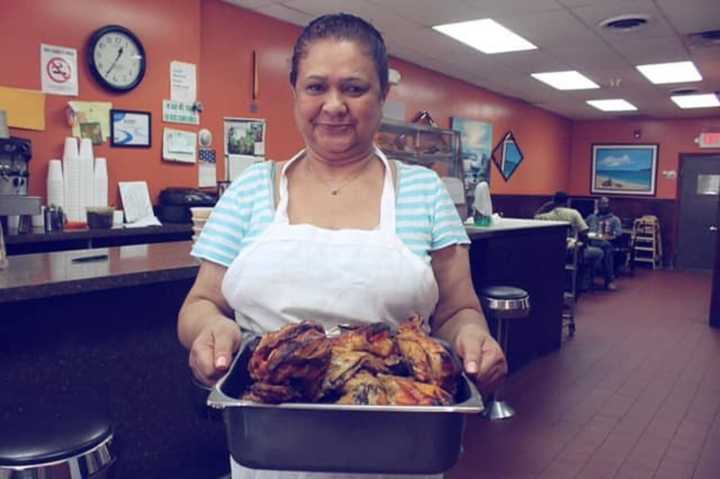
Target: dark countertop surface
<point>44,275</point>
<point>502,226</point>
<point>39,235</point>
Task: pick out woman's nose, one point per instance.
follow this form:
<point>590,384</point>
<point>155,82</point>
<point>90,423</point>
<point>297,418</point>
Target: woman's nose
<point>334,103</point>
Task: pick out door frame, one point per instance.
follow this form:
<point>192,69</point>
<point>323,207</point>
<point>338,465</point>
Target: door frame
<point>682,159</point>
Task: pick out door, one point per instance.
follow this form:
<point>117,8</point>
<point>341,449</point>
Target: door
<point>697,225</point>
<point>715,292</point>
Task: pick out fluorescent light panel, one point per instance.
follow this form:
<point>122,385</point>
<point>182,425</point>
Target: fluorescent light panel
<point>485,35</point>
<point>674,72</point>
<point>614,104</point>
<point>703,100</point>
<point>568,80</point>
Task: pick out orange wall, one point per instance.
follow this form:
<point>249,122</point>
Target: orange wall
<point>169,30</point>
<point>673,136</point>
<point>219,38</point>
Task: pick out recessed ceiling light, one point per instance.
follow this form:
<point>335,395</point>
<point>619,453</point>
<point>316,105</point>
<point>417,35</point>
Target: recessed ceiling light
<point>705,100</point>
<point>673,72</point>
<point>569,80</point>
<point>485,35</point>
<point>615,104</point>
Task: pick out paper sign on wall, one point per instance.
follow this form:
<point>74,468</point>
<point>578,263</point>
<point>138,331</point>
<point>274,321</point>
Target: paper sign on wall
<point>179,145</point>
<point>58,70</point>
<point>182,82</point>
<point>180,112</point>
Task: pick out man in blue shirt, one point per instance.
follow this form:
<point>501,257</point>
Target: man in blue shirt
<point>605,226</point>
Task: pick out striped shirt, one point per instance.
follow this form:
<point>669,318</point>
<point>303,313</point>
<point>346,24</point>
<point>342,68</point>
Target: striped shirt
<point>426,218</point>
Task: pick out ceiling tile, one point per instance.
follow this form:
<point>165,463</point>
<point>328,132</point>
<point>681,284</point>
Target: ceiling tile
<point>549,29</point>
<point>596,55</point>
<point>639,51</point>
<point>691,16</point>
<point>286,13</point>
<point>533,61</point>
<point>250,4</point>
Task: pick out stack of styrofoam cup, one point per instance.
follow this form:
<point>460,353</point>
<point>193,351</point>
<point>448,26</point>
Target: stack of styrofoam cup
<point>200,214</point>
<point>74,207</point>
<point>100,183</point>
<point>87,175</point>
<point>55,193</point>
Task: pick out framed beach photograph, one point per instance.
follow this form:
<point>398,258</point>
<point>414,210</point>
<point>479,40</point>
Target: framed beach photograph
<point>624,169</point>
<point>131,129</point>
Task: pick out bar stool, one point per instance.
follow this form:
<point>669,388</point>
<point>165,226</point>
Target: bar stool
<point>55,437</point>
<point>503,303</point>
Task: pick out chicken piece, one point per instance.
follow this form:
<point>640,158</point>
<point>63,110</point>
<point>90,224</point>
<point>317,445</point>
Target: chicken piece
<point>344,364</point>
<point>297,355</point>
<point>271,393</point>
<point>428,359</point>
<point>364,388</point>
<point>406,392</point>
<point>375,338</point>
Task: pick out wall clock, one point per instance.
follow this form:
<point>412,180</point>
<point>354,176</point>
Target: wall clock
<point>116,58</point>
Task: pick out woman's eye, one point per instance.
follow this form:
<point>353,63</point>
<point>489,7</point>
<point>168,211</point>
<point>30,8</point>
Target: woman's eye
<point>355,90</point>
<point>315,88</point>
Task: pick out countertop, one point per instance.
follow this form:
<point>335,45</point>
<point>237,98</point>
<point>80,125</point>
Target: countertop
<point>40,236</point>
<point>504,225</point>
<point>54,274</point>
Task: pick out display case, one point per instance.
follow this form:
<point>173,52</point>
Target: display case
<point>434,148</point>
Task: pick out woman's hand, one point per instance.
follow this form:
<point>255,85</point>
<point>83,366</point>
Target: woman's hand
<point>483,359</point>
<point>213,349</point>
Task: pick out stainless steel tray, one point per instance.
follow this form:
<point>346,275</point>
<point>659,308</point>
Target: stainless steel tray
<point>340,438</point>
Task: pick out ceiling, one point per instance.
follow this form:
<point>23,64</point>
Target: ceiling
<point>567,34</point>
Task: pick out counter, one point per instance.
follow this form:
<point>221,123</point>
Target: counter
<point>529,254</point>
<point>45,275</point>
<point>39,241</point>
<point>109,329</point>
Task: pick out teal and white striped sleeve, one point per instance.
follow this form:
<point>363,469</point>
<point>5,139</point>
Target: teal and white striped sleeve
<point>447,227</point>
<point>221,237</point>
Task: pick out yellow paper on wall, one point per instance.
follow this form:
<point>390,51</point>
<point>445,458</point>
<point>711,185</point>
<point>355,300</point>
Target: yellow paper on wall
<point>25,108</point>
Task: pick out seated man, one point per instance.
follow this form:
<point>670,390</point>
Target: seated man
<point>605,227</point>
<point>592,255</point>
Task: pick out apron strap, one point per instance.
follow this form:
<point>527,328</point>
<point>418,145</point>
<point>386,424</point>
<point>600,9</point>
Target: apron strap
<point>391,183</point>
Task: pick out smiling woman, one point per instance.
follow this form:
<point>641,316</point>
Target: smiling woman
<point>338,233</point>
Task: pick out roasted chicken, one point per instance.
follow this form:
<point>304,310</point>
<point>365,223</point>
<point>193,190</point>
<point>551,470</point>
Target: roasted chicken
<point>367,365</point>
<point>295,357</point>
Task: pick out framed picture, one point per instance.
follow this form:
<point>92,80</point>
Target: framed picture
<point>476,149</point>
<point>130,129</point>
<point>507,155</point>
<point>245,136</point>
<point>624,169</point>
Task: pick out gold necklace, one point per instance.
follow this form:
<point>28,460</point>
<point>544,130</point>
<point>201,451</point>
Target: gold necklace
<point>334,190</point>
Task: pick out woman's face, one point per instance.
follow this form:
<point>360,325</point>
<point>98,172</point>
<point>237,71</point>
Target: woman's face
<point>338,102</point>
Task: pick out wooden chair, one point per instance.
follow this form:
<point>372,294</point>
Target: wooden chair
<point>647,241</point>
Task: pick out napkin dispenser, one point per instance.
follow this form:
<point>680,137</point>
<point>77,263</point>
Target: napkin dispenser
<point>175,203</point>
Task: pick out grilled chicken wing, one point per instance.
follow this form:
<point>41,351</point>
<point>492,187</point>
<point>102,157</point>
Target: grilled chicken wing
<point>297,355</point>
<point>402,391</point>
<point>364,388</point>
<point>429,361</point>
<point>374,338</point>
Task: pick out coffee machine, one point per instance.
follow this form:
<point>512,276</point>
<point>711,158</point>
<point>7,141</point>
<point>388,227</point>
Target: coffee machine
<point>15,155</point>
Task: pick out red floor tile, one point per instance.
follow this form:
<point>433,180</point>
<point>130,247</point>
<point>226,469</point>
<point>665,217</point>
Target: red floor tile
<point>634,395</point>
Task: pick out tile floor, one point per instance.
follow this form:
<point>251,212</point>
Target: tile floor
<point>635,394</point>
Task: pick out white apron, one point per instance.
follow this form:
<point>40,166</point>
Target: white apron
<point>297,272</point>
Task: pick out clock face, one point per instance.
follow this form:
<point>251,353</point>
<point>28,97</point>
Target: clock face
<point>116,58</point>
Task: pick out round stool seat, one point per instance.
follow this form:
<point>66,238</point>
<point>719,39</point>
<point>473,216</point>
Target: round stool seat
<point>55,432</point>
<point>505,302</point>
<point>503,292</point>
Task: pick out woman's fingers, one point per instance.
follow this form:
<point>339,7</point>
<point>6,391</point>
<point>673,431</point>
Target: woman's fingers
<point>212,351</point>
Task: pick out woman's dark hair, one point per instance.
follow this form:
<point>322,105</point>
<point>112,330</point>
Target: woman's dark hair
<point>343,26</point>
